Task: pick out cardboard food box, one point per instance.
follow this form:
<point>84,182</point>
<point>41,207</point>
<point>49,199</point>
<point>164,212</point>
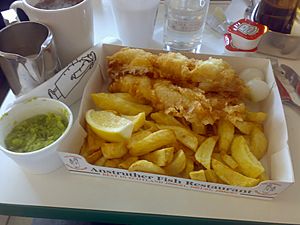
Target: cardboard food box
<point>277,161</point>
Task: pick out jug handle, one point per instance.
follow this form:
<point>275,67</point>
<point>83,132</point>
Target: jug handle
<point>19,4</point>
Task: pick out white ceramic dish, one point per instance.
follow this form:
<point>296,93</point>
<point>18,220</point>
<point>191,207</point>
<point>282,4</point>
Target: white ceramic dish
<point>46,159</point>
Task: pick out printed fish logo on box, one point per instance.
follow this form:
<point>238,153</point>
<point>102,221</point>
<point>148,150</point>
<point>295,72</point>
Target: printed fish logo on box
<point>72,75</point>
<point>74,162</point>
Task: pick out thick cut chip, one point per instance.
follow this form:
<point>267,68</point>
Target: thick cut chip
<point>160,157</point>
<point>94,142</point>
<point>114,150</point>
<point>146,166</point>
<point>232,177</point>
<point>152,142</point>
<point>244,126</point>
<point>129,97</point>
<point>247,139</point>
<point>93,157</point>
<point>264,176</point>
<point>177,165</point>
<point>101,161</point>
<point>217,156</point>
<point>204,152</point>
<point>166,119</point>
<point>138,136</point>
<point>198,175</point>
<point>226,134</point>
<point>229,161</point>
<point>112,101</point>
<point>198,128</point>
<point>258,143</point>
<point>257,117</point>
<point>184,135</point>
<point>180,146</point>
<point>127,162</point>
<point>84,150</point>
<point>150,125</point>
<point>200,139</point>
<point>109,126</point>
<point>112,163</point>
<point>189,167</point>
<point>90,156</point>
<point>137,120</point>
<point>248,164</point>
<point>211,176</point>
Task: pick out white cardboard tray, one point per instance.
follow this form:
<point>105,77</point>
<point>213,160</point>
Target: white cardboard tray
<point>277,161</point>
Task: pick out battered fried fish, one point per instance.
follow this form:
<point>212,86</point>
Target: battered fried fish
<point>211,75</point>
<point>189,103</point>
<point>131,61</point>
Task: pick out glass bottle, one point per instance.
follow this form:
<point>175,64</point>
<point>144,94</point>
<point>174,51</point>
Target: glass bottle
<point>278,15</point>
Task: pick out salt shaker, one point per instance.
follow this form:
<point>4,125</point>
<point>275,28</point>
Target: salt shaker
<point>184,24</point>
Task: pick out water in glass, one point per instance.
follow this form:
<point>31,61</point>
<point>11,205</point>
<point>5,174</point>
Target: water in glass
<point>184,24</point>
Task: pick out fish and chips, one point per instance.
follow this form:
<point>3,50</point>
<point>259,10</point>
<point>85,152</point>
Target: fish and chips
<point>187,118</point>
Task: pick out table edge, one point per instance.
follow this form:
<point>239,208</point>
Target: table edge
<point>110,216</point>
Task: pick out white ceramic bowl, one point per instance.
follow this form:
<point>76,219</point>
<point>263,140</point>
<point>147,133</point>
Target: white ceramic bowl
<point>46,159</point>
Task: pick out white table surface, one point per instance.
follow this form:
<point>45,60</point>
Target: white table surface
<point>64,190</point>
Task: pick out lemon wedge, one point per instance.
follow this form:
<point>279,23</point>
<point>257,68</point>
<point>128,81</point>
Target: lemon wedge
<point>109,126</point>
<point>137,120</point>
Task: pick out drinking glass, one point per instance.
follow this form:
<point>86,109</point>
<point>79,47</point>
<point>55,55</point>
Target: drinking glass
<point>184,24</point>
<point>135,20</point>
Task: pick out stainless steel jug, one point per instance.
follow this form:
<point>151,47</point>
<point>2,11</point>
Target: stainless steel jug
<point>28,55</point>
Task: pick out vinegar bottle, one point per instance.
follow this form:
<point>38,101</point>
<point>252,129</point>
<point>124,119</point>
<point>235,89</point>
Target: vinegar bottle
<point>278,15</point>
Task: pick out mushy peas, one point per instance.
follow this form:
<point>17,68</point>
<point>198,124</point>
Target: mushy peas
<point>36,132</point>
